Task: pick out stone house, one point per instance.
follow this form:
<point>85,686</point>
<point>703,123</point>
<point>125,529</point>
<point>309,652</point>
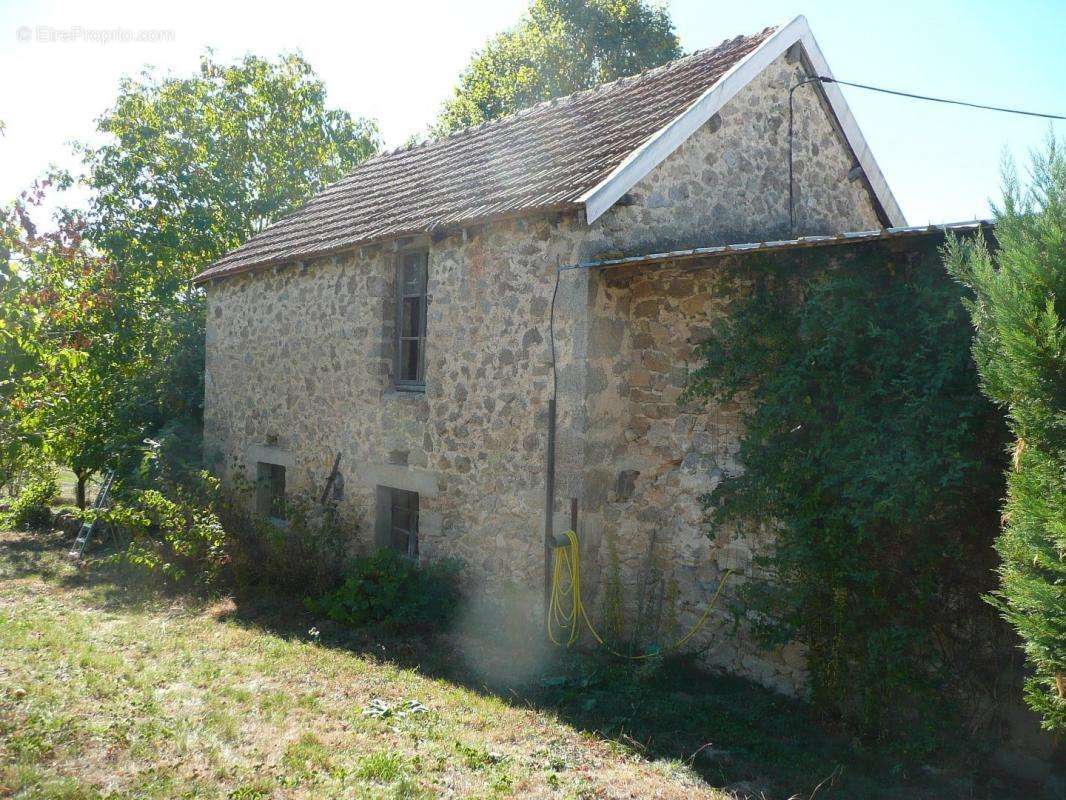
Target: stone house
<point>419,315</point>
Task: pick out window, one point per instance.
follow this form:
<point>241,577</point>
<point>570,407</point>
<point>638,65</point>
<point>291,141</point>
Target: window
<point>403,522</point>
<point>411,281</point>
<point>270,490</point>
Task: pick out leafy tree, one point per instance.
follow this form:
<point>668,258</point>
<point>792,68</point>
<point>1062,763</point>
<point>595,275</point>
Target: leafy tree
<point>108,329</point>
<point>66,356</point>
<point>559,47</point>
<point>871,455</point>
<point>191,167</point>
<point>14,361</point>
<point>1020,348</point>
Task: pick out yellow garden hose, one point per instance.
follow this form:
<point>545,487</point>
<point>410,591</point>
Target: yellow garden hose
<point>566,620</point>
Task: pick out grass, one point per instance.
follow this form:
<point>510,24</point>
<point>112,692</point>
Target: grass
<point>111,690</point>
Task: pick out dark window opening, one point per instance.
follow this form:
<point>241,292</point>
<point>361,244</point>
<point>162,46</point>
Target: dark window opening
<point>403,522</point>
<point>411,303</point>
<point>270,490</point>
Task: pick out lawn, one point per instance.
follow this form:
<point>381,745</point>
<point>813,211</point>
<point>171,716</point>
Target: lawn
<point>108,689</point>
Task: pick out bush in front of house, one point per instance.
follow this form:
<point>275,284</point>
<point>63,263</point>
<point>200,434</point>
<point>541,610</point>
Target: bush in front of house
<point>186,529</point>
<point>30,510</point>
<point>192,534</point>
<point>304,554</point>
<point>871,456</point>
<point>390,590</point>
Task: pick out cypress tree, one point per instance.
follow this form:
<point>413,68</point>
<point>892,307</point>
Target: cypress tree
<point>1020,338</point>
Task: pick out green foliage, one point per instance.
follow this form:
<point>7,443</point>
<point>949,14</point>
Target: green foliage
<point>31,509</point>
<point>174,456</point>
<point>305,554</point>
<point>17,356</point>
<point>66,355</point>
<point>390,590</point>
<point>1020,349</point>
<point>559,47</point>
<point>177,537</point>
<point>13,460</point>
<point>185,530</point>
<point>870,453</point>
<point>193,166</point>
<point>101,336</point>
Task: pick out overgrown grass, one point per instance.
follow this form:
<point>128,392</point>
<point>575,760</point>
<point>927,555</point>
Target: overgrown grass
<point>110,690</point>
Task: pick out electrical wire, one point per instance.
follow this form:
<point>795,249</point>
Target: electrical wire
<point>948,101</point>
<point>549,476</point>
<point>882,90</point>
<point>551,335</point>
<point>791,158</point>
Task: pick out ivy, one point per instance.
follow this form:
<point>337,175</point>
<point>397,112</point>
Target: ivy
<point>871,454</point>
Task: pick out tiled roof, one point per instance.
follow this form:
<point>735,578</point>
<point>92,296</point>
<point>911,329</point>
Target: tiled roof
<point>544,157</point>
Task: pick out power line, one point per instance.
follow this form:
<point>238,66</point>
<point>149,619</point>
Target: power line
<point>981,106</point>
<point>897,93</point>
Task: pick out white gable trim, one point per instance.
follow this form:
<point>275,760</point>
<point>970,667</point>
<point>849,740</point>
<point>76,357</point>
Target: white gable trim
<point>668,138</point>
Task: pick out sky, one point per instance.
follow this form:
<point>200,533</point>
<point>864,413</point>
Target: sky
<point>397,61</point>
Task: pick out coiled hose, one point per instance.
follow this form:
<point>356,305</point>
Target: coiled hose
<point>566,583</point>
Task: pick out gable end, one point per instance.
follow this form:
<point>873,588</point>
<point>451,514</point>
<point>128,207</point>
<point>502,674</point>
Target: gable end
<point>668,138</point>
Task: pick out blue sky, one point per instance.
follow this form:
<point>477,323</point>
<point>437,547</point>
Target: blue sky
<point>396,61</point>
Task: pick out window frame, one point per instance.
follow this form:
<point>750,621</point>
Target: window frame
<point>269,476</point>
<point>418,383</point>
<point>406,502</point>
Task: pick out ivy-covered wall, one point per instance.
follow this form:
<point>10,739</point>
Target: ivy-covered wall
<point>925,457</point>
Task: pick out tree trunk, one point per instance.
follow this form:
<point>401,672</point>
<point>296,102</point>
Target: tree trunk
<point>79,491</point>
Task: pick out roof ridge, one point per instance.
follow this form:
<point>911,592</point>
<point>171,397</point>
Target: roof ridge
<point>568,98</point>
<point>545,156</point>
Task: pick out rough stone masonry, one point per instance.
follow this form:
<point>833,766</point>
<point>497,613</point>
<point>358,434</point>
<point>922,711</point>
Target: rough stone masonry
<point>300,360</point>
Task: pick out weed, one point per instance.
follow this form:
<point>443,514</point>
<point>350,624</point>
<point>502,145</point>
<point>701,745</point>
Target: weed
<point>249,792</point>
<point>475,757</point>
<point>383,766</point>
<point>388,590</point>
<point>382,709</point>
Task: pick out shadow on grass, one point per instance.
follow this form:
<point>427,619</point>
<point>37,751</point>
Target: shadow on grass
<point>110,583</point>
<point>734,733</point>
<point>32,553</point>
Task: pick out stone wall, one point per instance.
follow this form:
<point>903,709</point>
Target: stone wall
<point>300,367</point>
<point>651,459</point>
<point>728,183</point>
<point>299,364</point>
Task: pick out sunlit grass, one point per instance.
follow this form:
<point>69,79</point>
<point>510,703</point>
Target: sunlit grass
<point>108,692</point>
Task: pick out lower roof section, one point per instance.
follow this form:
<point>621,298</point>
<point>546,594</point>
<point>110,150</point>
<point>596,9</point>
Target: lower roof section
<point>881,234</point>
